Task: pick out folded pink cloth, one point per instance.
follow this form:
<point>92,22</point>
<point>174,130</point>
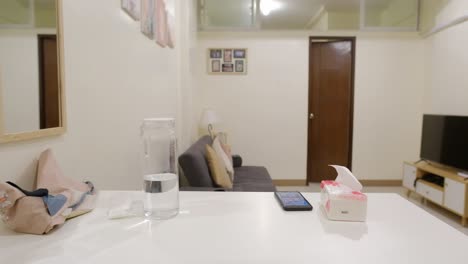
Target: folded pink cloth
<point>28,214</point>
<point>50,176</point>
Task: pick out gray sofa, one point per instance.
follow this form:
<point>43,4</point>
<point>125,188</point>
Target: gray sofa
<point>195,174</point>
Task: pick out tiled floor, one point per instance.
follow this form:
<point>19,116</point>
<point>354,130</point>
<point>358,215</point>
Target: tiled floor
<point>444,215</point>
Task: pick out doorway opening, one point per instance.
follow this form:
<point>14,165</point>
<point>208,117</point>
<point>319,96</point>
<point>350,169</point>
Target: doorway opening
<point>49,94</point>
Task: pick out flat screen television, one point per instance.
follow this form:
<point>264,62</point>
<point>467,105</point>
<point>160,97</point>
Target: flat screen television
<point>445,140</point>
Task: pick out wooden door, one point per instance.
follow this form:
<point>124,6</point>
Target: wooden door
<point>48,82</point>
<point>331,85</point>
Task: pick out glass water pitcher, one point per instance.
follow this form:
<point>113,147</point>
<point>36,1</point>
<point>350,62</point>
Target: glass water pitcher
<point>161,183</point>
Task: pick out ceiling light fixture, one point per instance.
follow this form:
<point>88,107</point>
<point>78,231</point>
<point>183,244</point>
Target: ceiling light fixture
<point>266,6</point>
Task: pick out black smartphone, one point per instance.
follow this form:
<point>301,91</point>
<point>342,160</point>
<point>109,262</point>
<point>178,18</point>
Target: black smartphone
<point>293,201</point>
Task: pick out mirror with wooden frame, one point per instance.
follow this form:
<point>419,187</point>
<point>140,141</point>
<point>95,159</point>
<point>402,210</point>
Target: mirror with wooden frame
<point>31,70</point>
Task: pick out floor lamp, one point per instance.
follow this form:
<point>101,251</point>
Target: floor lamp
<point>208,119</point>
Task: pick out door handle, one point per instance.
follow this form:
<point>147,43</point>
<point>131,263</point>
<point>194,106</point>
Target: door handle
<point>311,116</point>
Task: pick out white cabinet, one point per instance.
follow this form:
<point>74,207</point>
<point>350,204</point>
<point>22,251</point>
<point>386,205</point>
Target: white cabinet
<point>429,192</point>
<point>409,175</point>
<point>454,196</point>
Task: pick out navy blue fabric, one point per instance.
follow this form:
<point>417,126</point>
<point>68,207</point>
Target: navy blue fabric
<point>236,161</point>
<point>246,178</point>
<point>37,193</point>
<point>252,179</point>
<point>194,165</point>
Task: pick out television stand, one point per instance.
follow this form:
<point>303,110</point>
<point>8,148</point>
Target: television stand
<point>453,196</point>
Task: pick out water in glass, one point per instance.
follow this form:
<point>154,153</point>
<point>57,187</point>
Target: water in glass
<point>161,183</point>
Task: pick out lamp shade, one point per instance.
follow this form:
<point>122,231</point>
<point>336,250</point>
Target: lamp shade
<point>209,117</point>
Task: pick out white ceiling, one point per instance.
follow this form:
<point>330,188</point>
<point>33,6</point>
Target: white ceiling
<point>353,5</point>
<point>293,14</point>
<point>38,3</point>
<point>18,11</point>
<point>45,4</point>
<point>342,5</point>
<point>228,13</point>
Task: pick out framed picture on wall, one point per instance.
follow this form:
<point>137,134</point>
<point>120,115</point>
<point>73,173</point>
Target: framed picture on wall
<point>228,67</point>
<point>239,66</point>
<point>132,8</point>
<point>229,61</point>
<point>147,18</point>
<point>161,26</point>
<point>216,54</point>
<point>227,55</point>
<point>239,53</point>
<point>171,23</point>
<point>216,65</point>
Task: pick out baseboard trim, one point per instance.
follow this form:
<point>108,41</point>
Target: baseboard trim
<point>381,182</point>
<point>290,182</point>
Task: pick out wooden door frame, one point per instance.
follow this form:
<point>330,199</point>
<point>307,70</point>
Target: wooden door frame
<point>56,131</point>
<point>351,112</point>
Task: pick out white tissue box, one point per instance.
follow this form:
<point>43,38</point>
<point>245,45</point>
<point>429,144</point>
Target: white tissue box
<point>344,202</point>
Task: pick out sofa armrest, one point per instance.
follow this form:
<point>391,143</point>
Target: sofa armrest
<point>236,161</point>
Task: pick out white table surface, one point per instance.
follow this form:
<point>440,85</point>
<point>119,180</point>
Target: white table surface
<point>215,227</point>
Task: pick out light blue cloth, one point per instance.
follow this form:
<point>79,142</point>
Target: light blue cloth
<point>54,203</point>
<point>83,196</point>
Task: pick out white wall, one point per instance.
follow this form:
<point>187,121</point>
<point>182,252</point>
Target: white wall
<point>453,9</point>
<point>265,112</point>
<point>115,77</point>
<point>447,63</point>
<point>19,81</point>
<point>388,105</point>
<point>188,33</point>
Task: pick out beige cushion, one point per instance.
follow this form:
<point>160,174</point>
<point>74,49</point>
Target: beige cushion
<point>228,150</point>
<point>225,159</point>
<point>217,169</point>
<point>222,137</point>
